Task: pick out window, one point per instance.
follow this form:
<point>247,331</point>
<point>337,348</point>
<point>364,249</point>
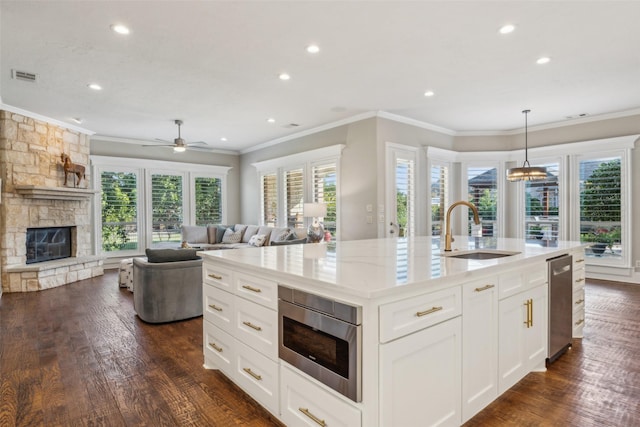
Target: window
<point>438,196</point>
<point>483,193</point>
<point>294,197</point>
<point>324,191</point>
<point>142,205</point>
<point>166,207</point>
<point>119,201</point>
<point>208,195</point>
<point>601,204</point>
<point>287,183</point>
<point>269,196</point>
<point>401,189</point>
<point>542,206</point>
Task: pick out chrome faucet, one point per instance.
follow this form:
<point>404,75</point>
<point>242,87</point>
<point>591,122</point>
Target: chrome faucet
<point>447,225</point>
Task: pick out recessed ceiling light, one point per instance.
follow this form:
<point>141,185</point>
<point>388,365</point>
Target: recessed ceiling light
<point>223,139</point>
<point>284,76</point>
<point>271,120</point>
<point>313,48</point>
<point>429,93</point>
<point>120,29</point>
<point>77,120</point>
<point>543,60</point>
<point>506,29</point>
<point>94,86</point>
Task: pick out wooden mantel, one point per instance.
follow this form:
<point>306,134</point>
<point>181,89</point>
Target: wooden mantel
<point>54,193</point>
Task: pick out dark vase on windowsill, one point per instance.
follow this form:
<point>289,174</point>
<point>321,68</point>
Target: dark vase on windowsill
<point>598,248</point>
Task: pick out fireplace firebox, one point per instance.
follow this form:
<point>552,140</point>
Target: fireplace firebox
<point>46,244</point>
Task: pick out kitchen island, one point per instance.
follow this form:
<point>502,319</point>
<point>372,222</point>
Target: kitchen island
<point>440,337</point>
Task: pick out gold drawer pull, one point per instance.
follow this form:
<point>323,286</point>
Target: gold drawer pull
<point>580,260</point>
<point>580,322</point>
<point>215,276</point>
<point>252,326</point>
<point>431,310</point>
<point>580,301</point>
<point>313,417</point>
<point>215,347</point>
<point>529,305</point>
<point>484,288</point>
<point>251,288</point>
<point>253,374</point>
<point>580,280</point>
<point>215,307</point>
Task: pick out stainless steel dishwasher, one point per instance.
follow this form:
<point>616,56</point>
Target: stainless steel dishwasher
<point>560,306</point>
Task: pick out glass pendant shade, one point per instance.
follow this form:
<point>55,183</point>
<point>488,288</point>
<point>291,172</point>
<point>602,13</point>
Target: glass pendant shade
<point>526,172</point>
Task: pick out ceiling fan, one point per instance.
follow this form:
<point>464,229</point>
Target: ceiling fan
<point>179,144</point>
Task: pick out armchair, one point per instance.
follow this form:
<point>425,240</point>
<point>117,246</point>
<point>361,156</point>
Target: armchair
<point>167,291</point>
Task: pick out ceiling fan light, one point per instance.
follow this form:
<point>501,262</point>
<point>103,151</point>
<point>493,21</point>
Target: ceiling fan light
<point>179,149</point>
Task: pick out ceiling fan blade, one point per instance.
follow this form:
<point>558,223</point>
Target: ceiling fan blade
<point>197,143</point>
<point>161,140</point>
<point>158,145</point>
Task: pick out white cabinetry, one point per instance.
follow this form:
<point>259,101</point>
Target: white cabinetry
<point>240,331</point>
<point>420,373</point>
<point>304,403</point>
<point>480,344</point>
<point>523,323</point>
<point>578,292</point>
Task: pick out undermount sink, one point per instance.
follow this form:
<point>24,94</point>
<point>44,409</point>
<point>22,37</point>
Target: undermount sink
<point>479,254</point>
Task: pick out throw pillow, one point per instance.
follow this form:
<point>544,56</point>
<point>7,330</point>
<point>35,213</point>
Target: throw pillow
<point>257,240</point>
<point>221,230</point>
<point>231,236</point>
<point>212,233</point>
<point>194,234</point>
<point>284,235</point>
<point>249,232</point>
<point>170,255</point>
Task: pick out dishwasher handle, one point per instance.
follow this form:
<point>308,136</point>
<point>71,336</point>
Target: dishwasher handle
<point>561,270</point>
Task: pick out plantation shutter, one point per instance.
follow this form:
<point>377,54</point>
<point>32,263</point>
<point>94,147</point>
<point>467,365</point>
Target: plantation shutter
<point>270,199</point>
<point>208,194</point>
<point>542,206</point>
<point>405,194</point>
<point>166,207</point>
<point>294,197</point>
<point>439,199</point>
<point>119,211</point>
<point>324,191</point>
<point>483,193</point>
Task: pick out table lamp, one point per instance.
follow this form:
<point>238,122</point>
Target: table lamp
<point>315,232</point>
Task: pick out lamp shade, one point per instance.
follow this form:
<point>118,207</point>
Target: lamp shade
<point>315,210</point>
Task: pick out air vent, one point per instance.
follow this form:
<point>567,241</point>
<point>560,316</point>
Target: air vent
<point>291,125</point>
<point>23,75</point>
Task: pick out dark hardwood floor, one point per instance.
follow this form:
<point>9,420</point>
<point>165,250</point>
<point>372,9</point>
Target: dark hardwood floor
<point>78,356</point>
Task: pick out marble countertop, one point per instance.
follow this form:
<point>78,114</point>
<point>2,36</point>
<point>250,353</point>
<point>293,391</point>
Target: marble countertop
<point>376,267</point>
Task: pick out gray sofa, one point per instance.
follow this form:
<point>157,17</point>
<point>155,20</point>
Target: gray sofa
<point>168,285</point>
<point>233,236</point>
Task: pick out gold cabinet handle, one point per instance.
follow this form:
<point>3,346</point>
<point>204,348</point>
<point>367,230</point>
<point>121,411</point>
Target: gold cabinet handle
<point>431,310</point>
<point>252,326</point>
<point>579,260</point>
<point>215,347</point>
<point>580,301</point>
<point>580,280</point>
<point>253,374</point>
<point>215,276</point>
<point>484,288</point>
<point>313,417</point>
<point>580,322</point>
<point>529,305</point>
<point>215,307</point>
<point>251,288</point>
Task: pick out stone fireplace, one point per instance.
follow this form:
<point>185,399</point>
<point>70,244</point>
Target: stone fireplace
<point>34,198</point>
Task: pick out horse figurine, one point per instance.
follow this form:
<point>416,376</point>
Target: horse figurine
<point>71,168</point>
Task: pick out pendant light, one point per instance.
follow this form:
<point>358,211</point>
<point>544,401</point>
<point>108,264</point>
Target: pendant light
<point>526,172</point>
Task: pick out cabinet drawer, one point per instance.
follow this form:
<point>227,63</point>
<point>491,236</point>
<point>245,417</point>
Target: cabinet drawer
<point>304,403</point>
<point>218,307</point>
<point>218,347</point>
<point>406,316</point>
<point>515,281</point>
<point>578,326</point>
<point>257,326</point>
<point>578,280</point>
<point>578,301</point>
<point>258,376</point>
<point>217,276</point>
<point>257,289</point>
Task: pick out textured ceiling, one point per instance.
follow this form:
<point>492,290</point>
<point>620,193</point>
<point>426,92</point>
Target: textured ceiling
<point>215,65</point>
